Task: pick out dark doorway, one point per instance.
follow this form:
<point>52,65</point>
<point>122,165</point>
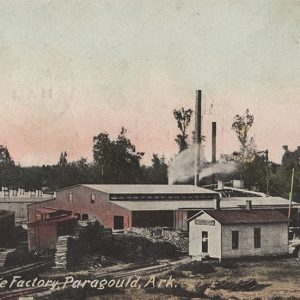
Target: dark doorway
<point>204,241</point>
<point>118,222</point>
<point>84,217</point>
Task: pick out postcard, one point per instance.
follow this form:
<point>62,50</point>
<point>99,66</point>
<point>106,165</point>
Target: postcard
<point>149,149</point>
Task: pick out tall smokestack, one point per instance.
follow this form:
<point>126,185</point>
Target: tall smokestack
<point>214,142</point>
<point>197,135</point>
<point>198,118</point>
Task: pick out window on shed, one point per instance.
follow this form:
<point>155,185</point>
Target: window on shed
<point>93,198</point>
<point>257,238</point>
<point>235,239</point>
<point>70,197</point>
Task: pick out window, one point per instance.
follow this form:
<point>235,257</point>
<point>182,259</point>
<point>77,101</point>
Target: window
<point>235,240</point>
<point>70,197</point>
<point>93,198</point>
<point>257,238</point>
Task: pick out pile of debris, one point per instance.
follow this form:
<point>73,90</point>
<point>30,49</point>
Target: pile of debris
<point>241,285</point>
<point>92,261</point>
<point>177,238</point>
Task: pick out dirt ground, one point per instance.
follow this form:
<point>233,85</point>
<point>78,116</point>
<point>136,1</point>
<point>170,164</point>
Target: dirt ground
<point>277,278</point>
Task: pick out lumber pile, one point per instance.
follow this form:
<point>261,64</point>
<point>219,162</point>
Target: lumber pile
<point>3,256</point>
<point>241,285</point>
<point>177,238</point>
<point>61,252</point>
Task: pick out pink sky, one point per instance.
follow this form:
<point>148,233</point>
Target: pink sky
<point>70,70</point>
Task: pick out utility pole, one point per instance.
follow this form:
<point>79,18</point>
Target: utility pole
<point>291,193</point>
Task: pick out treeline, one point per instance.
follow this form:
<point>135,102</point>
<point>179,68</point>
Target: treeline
<point>118,162</point>
<point>115,161</point>
<point>255,168</point>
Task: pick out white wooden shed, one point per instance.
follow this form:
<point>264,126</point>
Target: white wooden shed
<point>238,233</point>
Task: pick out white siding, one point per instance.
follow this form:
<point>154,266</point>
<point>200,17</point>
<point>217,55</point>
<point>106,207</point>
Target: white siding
<point>274,240</point>
<point>214,238</point>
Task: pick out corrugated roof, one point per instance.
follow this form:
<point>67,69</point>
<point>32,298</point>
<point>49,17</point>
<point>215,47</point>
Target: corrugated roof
<point>47,210</point>
<point>227,217</point>
<point>148,189</point>
<point>54,220</point>
<point>225,203</point>
<point>256,201</point>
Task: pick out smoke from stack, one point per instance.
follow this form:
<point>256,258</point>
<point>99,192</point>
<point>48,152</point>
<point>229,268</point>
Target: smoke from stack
<point>218,168</point>
<point>181,168</point>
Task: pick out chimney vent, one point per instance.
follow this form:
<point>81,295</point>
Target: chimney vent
<point>220,184</point>
<point>248,205</point>
<point>217,203</point>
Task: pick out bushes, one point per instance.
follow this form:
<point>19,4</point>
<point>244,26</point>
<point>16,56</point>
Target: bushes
<point>137,249</point>
<point>197,267</point>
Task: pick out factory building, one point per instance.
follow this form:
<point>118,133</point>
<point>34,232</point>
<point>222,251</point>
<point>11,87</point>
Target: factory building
<point>124,206</point>
<point>238,233</point>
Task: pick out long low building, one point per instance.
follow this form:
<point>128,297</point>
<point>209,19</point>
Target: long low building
<point>124,206</point>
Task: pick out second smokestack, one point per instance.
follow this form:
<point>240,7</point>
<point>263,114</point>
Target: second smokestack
<point>214,142</point>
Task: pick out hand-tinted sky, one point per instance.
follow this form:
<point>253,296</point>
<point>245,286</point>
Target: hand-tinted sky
<point>73,69</point>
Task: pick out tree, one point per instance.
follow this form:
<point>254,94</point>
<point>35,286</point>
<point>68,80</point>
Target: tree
<point>157,173</point>
<point>63,159</point>
<point>9,173</point>
<point>5,158</point>
<point>117,160</point>
<point>183,118</point>
<point>242,125</point>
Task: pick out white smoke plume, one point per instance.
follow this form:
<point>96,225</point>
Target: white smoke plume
<point>218,168</point>
<point>182,168</point>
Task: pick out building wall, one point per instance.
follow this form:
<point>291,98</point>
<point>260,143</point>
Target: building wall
<point>19,206</point>
<point>42,235</point>
<point>103,209</point>
<point>274,240</point>
<point>214,237</point>
<point>7,229</point>
<point>152,218</point>
<point>180,218</point>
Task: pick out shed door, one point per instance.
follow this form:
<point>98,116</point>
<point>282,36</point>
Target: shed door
<point>204,241</point>
<point>118,222</point>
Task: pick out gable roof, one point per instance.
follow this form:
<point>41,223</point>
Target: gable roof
<point>228,217</point>
<point>149,189</point>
